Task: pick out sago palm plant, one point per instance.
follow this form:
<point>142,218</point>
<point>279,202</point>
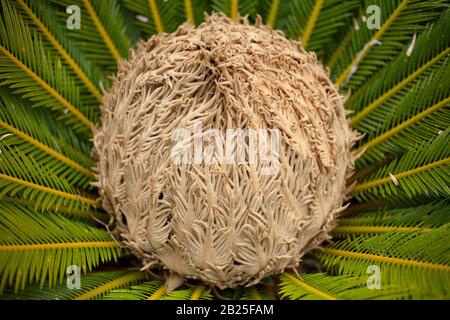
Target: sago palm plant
<point>392,242</point>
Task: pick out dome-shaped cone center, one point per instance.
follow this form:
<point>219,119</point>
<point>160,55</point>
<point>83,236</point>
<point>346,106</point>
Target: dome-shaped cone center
<point>223,152</point>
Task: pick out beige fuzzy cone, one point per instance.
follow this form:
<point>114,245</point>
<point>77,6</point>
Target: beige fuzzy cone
<point>226,224</point>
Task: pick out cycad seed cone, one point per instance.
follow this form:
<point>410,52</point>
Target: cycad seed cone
<point>226,223</point>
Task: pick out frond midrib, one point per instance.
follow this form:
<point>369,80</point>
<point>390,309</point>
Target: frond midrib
<point>56,192</point>
<point>62,245</point>
<point>391,92</point>
<point>155,16</point>
<point>377,229</point>
<point>309,288</point>
<point>55,154</point>
<point>388,134</point>
<point>189,11</point>
<point>158,293</point>
<point>272,15</point>
<point>81,213</point>
<point>311,23</point>
<point>376,37</point>
<point>44,85</point>
<point>198,291</point>
<point>101,29</point>
<point>234,10</point>
<point>399,175</point>
<point>384,259</point>
<point>129,278</point>
<point>64,54</point>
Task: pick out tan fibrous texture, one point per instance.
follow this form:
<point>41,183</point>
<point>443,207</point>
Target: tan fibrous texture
<point>226,224</point>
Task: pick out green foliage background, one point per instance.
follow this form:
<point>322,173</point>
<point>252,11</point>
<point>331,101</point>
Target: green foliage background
<point>398,81</point>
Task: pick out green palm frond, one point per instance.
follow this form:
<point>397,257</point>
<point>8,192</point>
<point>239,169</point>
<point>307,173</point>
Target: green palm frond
<point>423,172</point>
<point>105,37</point>
<point>37,247</point>
<point>247,7</point>
<point>269,10</point>
<point>398,227</point>
<point>415,261</point>
<point>24,177</point>
<point>276,14</point>
<point>155,290</point>
<point>228,7</point>
<point>147,18</point>
<point>29,131</point>
<point>93,286</point>
<point>420,219</point>
<point>26,66</point>
<point>317,22</point>
<point>86,215</point>
<point>40,15</point>
<point>194,11</point>
<point>417,117</point>
<point>153,16</point>
<point>258,292</point>
<point>369,49</point>
<point>321,286</point>
<point>147,291</point>
<point>415,62</point>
